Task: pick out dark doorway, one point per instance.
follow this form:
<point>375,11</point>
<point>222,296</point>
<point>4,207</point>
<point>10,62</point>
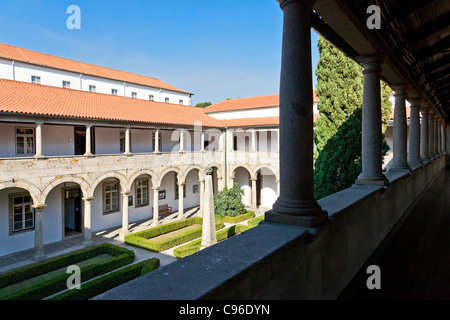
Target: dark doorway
<point>72,211</point>
<point>80,140</point>
<point>258,189</point>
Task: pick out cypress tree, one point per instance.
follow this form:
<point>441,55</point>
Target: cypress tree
<point>338,129</point>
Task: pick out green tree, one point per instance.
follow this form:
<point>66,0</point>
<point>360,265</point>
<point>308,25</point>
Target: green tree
<point>203,104</point>
<point>228,201</point>
<point>337,157</point>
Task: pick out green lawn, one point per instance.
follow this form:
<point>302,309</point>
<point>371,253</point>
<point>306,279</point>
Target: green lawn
<point>49,275</point>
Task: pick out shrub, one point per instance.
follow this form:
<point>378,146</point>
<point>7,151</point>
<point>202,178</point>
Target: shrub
<point>121,257</point>
<point>239,218</point>
<point>228,202</point>
<point>143,239</point>
<point>99,285</point>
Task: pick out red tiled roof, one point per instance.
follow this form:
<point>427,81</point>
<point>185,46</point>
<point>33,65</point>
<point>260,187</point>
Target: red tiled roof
<point>35,99</point>
<point>46,60</point>
<point>257,122</point>
<point>249,103</point>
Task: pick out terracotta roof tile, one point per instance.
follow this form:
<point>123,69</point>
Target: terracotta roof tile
<point>249,103</point>
<point>256,122</point>
<point>46,60</point>
<point>35,99</point>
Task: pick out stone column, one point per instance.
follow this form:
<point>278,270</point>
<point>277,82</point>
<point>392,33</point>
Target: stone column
<point>156,141</point>
<point>400,161</point>
<point>180,200</point>
<point>38,232</point>
<point>124,231</point>
<point>202,141</point>
<point>424,132</point>
<point>88,152</point>
<point>209,224</point>
<point>87,221</point>
<point>253,146</point>
<point>431,133</point>
<point>278,139</point>
<point>155,206</point>
<point>202,196</point>
<point>414,133</point>
<point>127,142</point>
<point>296,203</point>
<point>441,138</point>
<point>371,124</point>
<point>181,141</point>
<point>444,138</point>
<point>253,195</point>
<point>38,140</point>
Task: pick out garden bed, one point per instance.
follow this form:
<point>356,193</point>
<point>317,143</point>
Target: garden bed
<point>45,278</point>
<point>148,239</point>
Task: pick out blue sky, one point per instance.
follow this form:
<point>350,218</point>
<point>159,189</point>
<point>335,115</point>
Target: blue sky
<point>216,49</point>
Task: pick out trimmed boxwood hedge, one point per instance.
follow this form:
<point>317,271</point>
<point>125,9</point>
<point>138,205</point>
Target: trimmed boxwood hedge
<point>99,285</point>
<point>255,221</point>
<point>143,239</point>
<point>121,257</point>
<point>194,246</point>
<point>239,218</point>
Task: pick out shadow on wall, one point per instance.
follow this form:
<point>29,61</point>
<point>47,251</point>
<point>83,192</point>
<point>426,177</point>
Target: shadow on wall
<point>339,162</point>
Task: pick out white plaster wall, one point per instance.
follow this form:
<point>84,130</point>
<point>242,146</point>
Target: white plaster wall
<point>17,241</point>
<point>7,139</point>
<point>242,178</point>
<point>138,213</point>
<point>141,140</point>
<point>107,140</point>
<point>53,217</point>
<point>192,199</point>
<point>268,189</point>
<point>57,140</point>
<point>102,221</point>
<point>49,77</point>
<point>168,184</point>
<point>245,114</point>
<point>6,71</point>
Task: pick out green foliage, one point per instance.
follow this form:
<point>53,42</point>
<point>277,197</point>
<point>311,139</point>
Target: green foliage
<point>203,104</point>
<point>338,129</point>
<point>228,202</point>
<point>143,239</point>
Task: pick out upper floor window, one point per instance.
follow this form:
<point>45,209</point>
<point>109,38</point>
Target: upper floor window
<point>181,102</point>
<point>92,88</point>
<point>134,95</point>
<point>114,92</point>
<point>66,84</point>
<point>25,141</point>
<point>151,97</point>
<point>22,213</point>
<point>167,100</point>
<point>36,79</point>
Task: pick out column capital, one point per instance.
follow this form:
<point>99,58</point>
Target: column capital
<point>284,3</point>
<point>415,102</point>
<point>88,199</point>
<point>126,193</point>
<point>399,89</point>
<point>39,207</point>
<point>370,63</point>
<point>156,188</point>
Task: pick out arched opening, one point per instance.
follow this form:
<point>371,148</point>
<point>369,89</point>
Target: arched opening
<point>140,200</point>
<point>242,178</point>
<point>192,187</point>
<point>17,220</point>
<point>266,188</point>
<point>168,191</point>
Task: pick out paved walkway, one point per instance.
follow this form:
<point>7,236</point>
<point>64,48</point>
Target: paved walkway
<point>23,258</point>
<point>415,264</point>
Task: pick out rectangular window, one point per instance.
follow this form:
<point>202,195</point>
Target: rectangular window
<point>25,141</point>
<point>36,79</point>
<point>177,188</point>
<point>22,213</point>
<point>181,102</point>
<point>141,192</point>
<point>111,197</point>
<point>92,88</point>
<point>66,84</point>
<point>167,100</point>
<point>151,97</point>
<point>114,92</point>
<point>134,95</point>
<point>122,141</point>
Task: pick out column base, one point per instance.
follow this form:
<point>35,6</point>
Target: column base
<point>39,256</point>
<point>88,243</point>
<point>303,221</point>
<point>374,181</point>
<point>88,155</point>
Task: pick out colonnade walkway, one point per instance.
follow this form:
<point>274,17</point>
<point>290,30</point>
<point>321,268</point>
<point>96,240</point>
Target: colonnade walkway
<point>415,261</point>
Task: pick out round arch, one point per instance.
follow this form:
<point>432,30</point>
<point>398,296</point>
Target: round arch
<point>269,167</point>
<point>123,181</point>
<point>84,186</point>
<point>139,173</point>
<point>180,176</point>
<point>233,170</point>
<point>201,172</point>
<point>31,188</point>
